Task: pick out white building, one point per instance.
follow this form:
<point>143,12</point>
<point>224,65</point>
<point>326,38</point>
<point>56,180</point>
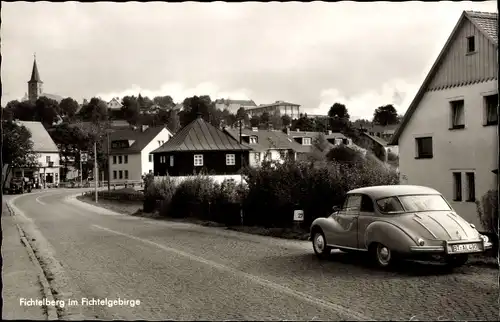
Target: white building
<point>448,138</point>
<point>114,104</point>
<point>280,108</point>
<point>234,105</point>
<point>130,156</point>
<point>48,156</point>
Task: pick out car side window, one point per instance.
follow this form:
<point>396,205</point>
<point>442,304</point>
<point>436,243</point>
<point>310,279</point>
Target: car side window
<point>366,204</point>
<point>352,203</point>
<point>390,205</point>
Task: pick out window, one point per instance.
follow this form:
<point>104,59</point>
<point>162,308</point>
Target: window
<point>114,159</point>
<point>171,160</point>
<point>457,186</point>
<point>159,142</point>
<point>418,203</point>
<point>306,141</point>
<point>471,44</point>
<point>125,159</point>
<point>457,115</point>
<point>126,174</point>
<point>352,203</point>
<point>114,175</point>
<point>198,160</point>
<point>256,156</point>
<point>390,205</point>
<point>366,204</point>
<point>47,158</point>
<point>150,158</point>
<point>253,140</point>
<point>471,186</point>
<point>230,159</point>
<point>424,147</point>
<point>120,159</point>
<point>491,108</point>
<point>121,174</point>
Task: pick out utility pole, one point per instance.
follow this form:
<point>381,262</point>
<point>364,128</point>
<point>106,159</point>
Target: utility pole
<point>81,172</point>
<point>108,163</point>
<point>96,173</point>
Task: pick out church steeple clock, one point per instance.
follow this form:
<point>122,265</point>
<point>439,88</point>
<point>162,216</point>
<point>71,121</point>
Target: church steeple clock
<point>35,84</point>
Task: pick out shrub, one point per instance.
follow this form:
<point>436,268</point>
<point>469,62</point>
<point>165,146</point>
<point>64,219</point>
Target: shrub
<point>191,197</point>
<point>274,190</point>
<point>155,191</point>
<point>344,154</point>
<point>488,211</point>
<point>391,156</point>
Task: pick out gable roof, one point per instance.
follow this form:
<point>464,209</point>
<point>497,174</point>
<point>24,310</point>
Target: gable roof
<point>277,103</point>
<point>238,102</point>
<point>486,23</point>
<point>42,142</point>
<point>269,140</point>
<point>141,138</point>
<point>378,140</point>
<point>301,134</point>
<point>200,135</point>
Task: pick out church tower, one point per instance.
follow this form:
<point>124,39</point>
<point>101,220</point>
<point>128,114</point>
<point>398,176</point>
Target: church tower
<point>35,84</point>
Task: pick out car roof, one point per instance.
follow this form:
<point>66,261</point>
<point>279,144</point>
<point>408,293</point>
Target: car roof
<point>377,192</point>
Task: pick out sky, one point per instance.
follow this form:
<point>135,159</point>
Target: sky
<point>363,55</point>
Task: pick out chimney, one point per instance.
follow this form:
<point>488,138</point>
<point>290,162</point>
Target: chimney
<point>144,127</point>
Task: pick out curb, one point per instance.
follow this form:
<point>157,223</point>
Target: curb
<point>51,310</point>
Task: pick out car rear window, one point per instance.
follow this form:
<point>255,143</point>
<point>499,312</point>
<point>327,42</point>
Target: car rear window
<point>424,203</point>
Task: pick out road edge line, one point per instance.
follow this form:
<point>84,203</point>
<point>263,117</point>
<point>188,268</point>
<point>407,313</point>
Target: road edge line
<point>47,264</point>
<point>51,311</point>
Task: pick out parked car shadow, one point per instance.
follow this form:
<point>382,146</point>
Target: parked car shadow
<point>359,264</point>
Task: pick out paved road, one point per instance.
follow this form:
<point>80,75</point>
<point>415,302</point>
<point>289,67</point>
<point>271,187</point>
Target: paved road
<point>188,272</point>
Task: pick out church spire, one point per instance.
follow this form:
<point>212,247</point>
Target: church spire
<point>35,76</point>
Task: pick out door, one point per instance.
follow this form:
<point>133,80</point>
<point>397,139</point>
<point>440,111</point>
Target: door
<point>365,218</point>
<point>345,233</point>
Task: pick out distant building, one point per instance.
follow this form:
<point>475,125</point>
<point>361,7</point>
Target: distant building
<point>35,87</point>
<point>115,104</point>
<point>234,105</point>
<point>279,107</point>
<point>47,172</point>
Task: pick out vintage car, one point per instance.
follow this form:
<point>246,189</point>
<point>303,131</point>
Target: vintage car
<point>393,222</point>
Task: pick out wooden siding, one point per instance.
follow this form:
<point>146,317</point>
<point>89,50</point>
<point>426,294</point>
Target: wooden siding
<point>459,68</point>
<point>214,162</point>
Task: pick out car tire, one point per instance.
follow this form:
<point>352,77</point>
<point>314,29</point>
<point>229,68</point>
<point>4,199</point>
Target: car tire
<point>455,261</point>
<point>319,245</point>
<point>381,255</point>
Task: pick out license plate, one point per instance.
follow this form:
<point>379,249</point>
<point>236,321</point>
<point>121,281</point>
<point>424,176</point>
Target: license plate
<point>465,248</point>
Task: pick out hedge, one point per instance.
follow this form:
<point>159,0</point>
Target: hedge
<point>125,194</point>
<point>270,195</point>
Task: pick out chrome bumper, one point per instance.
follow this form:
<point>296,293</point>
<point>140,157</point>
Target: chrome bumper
<point>443,249</point>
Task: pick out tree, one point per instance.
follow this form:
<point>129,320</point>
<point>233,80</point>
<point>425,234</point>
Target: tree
<point>174,123</point>
<point>17,146</point>
<point>264,119</point>
<point>68,108</point>
<point>165,102</point>
<point>385,115</point>
<point>7,114</point>
<point>46,111</point>
<point>276,121</point>
<point>131,110</point>
<point>303,123</point>
<point>144,102</point>
<point>339,117</point>
<point>286,120</point>
<point>320,147</point>
<point>228,117</point>
<point>163,116</point>
<point>254,121</point>
<point>96,111</point>
<point>204,106</point>
<point>344,154</point>
<point>23,111</point>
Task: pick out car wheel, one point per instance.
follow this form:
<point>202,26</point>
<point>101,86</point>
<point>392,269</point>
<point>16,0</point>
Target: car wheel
<point>319,245</point>
<point>382,255</point>
<point>456,260</point>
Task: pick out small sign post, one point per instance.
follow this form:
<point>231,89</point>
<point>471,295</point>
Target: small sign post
<point>298,217</point>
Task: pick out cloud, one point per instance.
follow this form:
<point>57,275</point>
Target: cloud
<point>361,106</point>
<point>179,92</point>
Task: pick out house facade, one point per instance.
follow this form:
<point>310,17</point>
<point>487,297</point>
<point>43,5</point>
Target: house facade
<point>448,138</point>
<point>47,174</point>
<point>279,107</point>
<point>130,152</point>
<point>114,104</point>
<point>200,147</point>
<point>234,105</point>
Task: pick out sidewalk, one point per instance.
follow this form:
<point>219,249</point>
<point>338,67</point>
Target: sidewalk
<point>19,274</point>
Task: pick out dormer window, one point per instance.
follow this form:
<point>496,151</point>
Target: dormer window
<point>471,44</point>
<point>253,140</point>
<point>306,141</point>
